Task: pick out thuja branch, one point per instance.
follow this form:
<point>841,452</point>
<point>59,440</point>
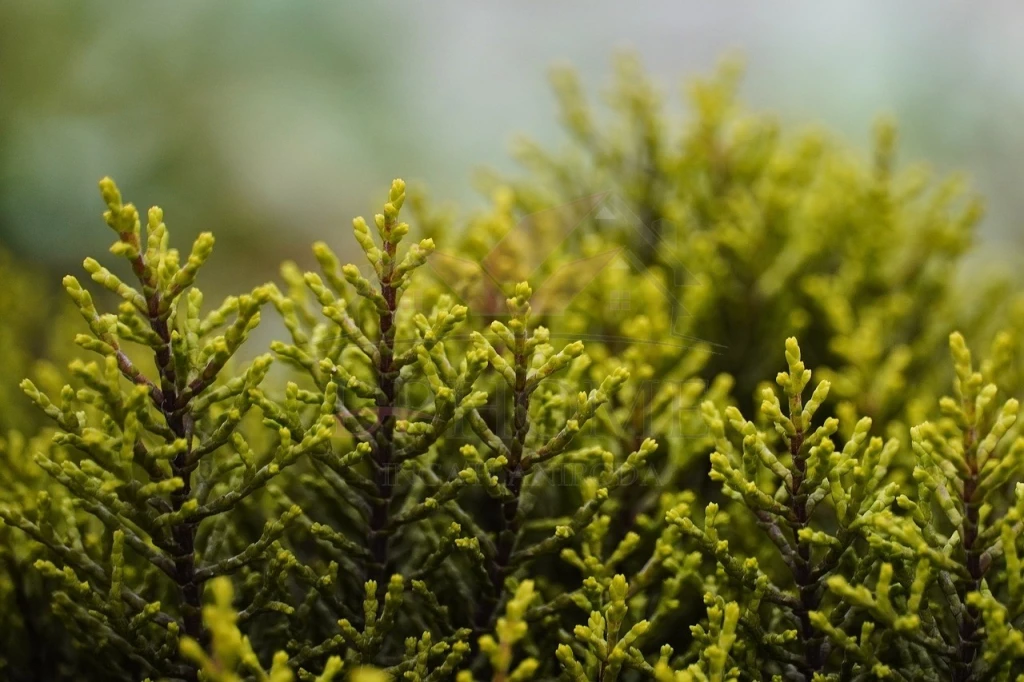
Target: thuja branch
<point>384,476</point>
<point>513,458</point>
<point>804,470</point>
<point>370,409</point>
<point>793,384</point>
<point>510,476</point>
<point>144,469</point>
<point>384,472</point>
<point>158,308</point>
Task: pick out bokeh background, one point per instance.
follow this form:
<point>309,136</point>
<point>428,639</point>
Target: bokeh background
<point>273,123</point>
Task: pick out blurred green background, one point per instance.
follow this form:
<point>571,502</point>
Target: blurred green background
<point>273,123</point>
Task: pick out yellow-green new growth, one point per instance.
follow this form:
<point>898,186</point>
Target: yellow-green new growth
<point>231,657</point>
<point>715,644</point>
<point>510,629</point>
<point>384,497</point>
<point>135,449</point>
<point>605,648</point>
<point>961,467</point>
<point>782,472</point>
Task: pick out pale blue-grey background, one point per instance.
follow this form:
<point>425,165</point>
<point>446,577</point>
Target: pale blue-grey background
<point>273,122</point>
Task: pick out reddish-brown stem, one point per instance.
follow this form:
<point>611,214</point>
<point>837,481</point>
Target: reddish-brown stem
<point>967,631</point>
<point>508,532</point>
<point>183,534</point>
<point>803,571</point>
<point>384,430</point>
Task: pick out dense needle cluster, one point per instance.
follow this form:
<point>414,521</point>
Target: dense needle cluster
<point>540,446</point>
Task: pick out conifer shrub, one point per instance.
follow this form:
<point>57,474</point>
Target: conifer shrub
<point>756,235</point>
<point>545,445</point>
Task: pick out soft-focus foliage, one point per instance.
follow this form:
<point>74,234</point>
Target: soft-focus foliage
<point>486,454</point>
<point>753,235</point>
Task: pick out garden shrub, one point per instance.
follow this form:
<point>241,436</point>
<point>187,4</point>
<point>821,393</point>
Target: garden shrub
<point>545,444</point>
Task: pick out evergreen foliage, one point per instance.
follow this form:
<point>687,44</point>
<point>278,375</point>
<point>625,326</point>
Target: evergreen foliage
<point>476,464</point>
<point>757,235</point>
